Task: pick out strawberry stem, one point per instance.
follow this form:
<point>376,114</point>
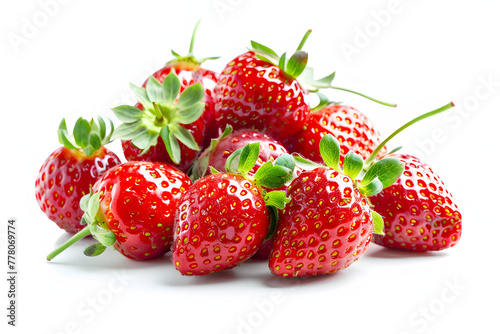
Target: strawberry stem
<point>304,39</point>
<point>193,37</point>
<point>410,123</point>
<point>365,96</point>
<point>80,235</point>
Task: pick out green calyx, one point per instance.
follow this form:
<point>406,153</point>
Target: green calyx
<point>380,175</point>
<point>190,59</point>
<point>270,175</point>
<point>87,136</point>
<point>161,116</point>
<point>293,66</point>
<point>95,226</point>
<point>200,165</point>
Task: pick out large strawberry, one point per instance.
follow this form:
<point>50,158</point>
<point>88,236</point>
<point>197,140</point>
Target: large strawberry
<point>223,218</point>
<point>419,212</point>
<point>354,131</point>
<point>328,223</point>
<point>70,171</point>
<point>166,126</point>
<point>189,72</point>
<point>259,90</point>
<point>132,208</point>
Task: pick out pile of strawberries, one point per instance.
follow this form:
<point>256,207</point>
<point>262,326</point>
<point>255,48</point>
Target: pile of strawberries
<point>222,168</point>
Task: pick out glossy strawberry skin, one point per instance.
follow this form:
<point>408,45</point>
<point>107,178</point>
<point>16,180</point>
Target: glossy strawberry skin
<point>64,178</point>
<point>254,94</point>
<point>203,129</point>
<point>138,202</point>
<point>220,222</point>
<point>419,212</point>
<point>354,131</point>
<point>325,228</point>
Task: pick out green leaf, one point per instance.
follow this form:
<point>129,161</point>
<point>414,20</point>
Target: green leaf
<point>388,170</point>
<point>95,141</point>
<point>190,96</point>
<point>353,164</point>
<point>282,62</point>
<point>372,188</point>
<point>273,221</point>
<point>229,166</point>
<point>248,157</point>
<point>93,205</point>
<point>378,223</point>
<point>276,198</point>
<point>304,163</point>
<point>329,149</point>
<point>185,137</point>
<point>191,114</point>
<point>84,201</point>
<point>145,140</point>
<point>267,60</point>
<point>325,82</point>
<point>171,144</point>
<point>214,171</point>
<point>395,150</point>
<point>271,177</point>
<point>81,132</point>
<point>95,249</point>
<point>171,87</point>
<point>127,114</point>
<point>128,131</point>
<point>154,89</point>
<point>296,64</point>
<point>263,49</point>
<point>64,136</point>
<point>102,127</point>
<point>286,160</point>
<point>142,96</point>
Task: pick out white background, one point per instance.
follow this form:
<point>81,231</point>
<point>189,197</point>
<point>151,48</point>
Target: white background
<point>79,61</point>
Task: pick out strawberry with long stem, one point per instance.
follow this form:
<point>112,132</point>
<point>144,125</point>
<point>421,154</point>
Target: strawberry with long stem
<point>132,208</point>
<point>70,171</point>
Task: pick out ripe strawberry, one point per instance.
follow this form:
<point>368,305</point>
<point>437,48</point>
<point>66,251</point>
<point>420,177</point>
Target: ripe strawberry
<point>259,90</point>
<point>132,208</point>
<point>350,127</point>
<point>223,218</point>
<point>220,149</point>
<point>418,210</point>
<point>328,223</point>
<point>70,171</point>
<point>189,72</point>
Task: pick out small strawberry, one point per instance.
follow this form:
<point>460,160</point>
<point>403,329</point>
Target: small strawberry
<point>419,212</point>
<point>354,131</point>
<point>221,148</point>
<point>328,223</point>
<point>132,208</point>
<point>223,218</point>
<point>70,171</point>
<point>166,126</point>
<point>189,72</point>
<point>259,90</point>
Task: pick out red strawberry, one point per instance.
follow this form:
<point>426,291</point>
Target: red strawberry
<point>200,130</point>
<point>328,224</point>
<point>223,218</point>
<point>353,130</point>
<point>132,208</point>
<point>259,90</point>
<point>70,171</point>
<point>418,211</point>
